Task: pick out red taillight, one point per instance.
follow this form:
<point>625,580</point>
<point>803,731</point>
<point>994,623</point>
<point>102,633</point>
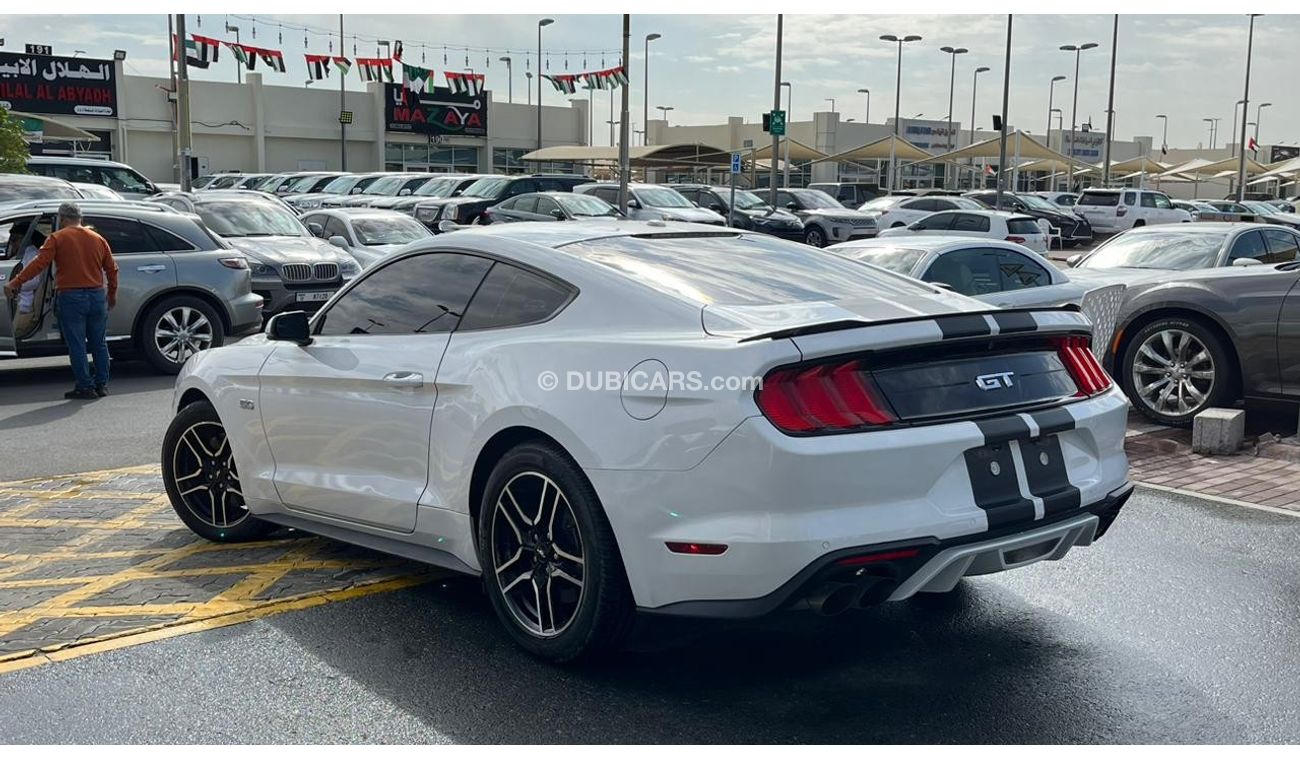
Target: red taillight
<point>234,262</point>
<point>822,398</point>
<point>1088,375</point>
<point>1015,239</point>
<point>1121,210</point>
<point>687,547</point>
<point>868,559</point>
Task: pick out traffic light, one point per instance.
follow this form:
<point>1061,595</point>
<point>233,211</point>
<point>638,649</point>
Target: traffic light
<point>767,122</point>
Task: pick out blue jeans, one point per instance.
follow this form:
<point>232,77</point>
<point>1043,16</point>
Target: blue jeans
<point>83,320</point>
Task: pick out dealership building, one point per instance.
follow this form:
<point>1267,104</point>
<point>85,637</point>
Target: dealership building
<point>256,127</point>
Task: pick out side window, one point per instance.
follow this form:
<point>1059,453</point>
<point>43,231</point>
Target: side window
<point>971,223</point>
<point>335,226</point>
<point>935,222</point>
<point>546,206</point>
<point>1282,246</point>
<point>1162,201</point>
<point>784,199</point>
<point>608,195</point>
<point>920,204</point>
<point>943,205</point>
<point>509,204</point>
<point>1148,200</point>
<point>1130,199</point>
<point>308,221</point>
<point>969,271</point>
<point>526,204</point>
<point>1248,246</point>
<point>166,241</point>
<point>709,198</point>
<point>847,193</point>
<point>123,180</point>
<point>691,195</point>
<point>510,296</point>
<point>44,170</point>
<point>1019,271</point>
<point>521,186</point>
<point>421,294</point>
<point>123,235</point>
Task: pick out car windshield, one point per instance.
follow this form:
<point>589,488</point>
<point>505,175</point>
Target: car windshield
<point>1158,249</point>
<point>1033,201</point>
<point>884,202</point>
<point>245,218</point>
<point>586,205</point>
<point>305,184</point>
<point>488,187</point>
<point>35,191</point>
<point>342,185</point>
<point>398,229</point>
<point>385,186</point>
<point>220,183</point>
<point>815,199</point>
<point>1259,207</point>
<point>661,197</point>
<point>436,188</point>
<point>891,257</point>
<point>747,200</point>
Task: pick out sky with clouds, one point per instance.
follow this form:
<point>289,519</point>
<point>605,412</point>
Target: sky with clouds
<point>710,67</point>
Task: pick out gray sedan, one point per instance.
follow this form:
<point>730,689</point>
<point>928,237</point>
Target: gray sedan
<point>368,234</point>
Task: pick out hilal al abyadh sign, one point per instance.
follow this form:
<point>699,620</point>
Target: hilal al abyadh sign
<point>436,112</point>
<point>52,84</point>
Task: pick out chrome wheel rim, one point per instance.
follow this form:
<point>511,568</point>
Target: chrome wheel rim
<point>537,554</point>
<point>1173,372</point>
<point>182,332</point>
<point>815,238</point>
<point>203,471</point>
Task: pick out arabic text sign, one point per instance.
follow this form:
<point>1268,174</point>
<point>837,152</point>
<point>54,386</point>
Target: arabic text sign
<point>57,85</point>
<point>436,112</point>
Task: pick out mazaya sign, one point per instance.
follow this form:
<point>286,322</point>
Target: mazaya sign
<point>52,84</point>
<point>435,112</point>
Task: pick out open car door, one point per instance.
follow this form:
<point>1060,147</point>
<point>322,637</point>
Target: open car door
<point>18,232</point>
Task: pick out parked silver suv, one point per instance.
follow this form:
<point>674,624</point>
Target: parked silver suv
<point>181,289</point>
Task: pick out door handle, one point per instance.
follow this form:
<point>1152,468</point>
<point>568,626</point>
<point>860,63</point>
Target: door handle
<point>404,379</point>
<point>151,268</point>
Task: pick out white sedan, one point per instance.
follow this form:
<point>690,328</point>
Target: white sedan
<point>978,223</point>
<point>618,417</point>
<point>901,210</point>
<point>369,234</point>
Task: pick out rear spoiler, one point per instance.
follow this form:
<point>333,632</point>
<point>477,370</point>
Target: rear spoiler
<point>965,323</point>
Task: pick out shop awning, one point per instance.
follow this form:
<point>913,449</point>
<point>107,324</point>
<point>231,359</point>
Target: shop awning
<point>1200,168</point>
<point>880,150</point>
<point>54,130</point>
<point>798,152</point>
<point>1138,165</point>
<point>1020,146</point>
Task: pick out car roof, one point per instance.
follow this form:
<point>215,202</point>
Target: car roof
<point>74,160</point>
<point>553,235</point>
<point>359,211</point>
<point>1200,227</point>
<point>33,179</point>
<point>930,243</point>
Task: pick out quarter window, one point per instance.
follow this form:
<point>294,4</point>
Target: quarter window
<point>1019,271</point>
<point>510,296</point>
<point>1282,247</point>
<point>123,235</point>
<point>971,223</point>
<point>166,241</point>
<point>427,293</point>
<point>970,271</point>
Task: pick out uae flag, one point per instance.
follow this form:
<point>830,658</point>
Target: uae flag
<point>242,55</point>
<point>200,51</point>
<point>343,65</point>
<point>272,58</point>
<point>591,81</point>
<point>465,83</point>
<point>415,78</point>
<point>318,67</point>
<point>1254,146</point>
<point>565,83</point>
<point>617,76</point>
<point>375,69</point>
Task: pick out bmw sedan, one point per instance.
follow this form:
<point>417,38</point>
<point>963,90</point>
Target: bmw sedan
<point>613,418</point>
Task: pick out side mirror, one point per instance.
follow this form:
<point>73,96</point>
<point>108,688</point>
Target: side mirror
<point>356,191</point>
<point>338,241</point>
<point>557,215</point>
<point>716,207</point>
<point>316,229</point>
<point>404,191</point>
<point>1246,262</point>
<point>792,206</point>
<point>1074,260</point>
<point>290,326</point>
<point>633,203</point>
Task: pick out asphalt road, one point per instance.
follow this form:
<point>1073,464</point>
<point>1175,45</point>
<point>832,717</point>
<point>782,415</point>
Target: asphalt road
<point>1179,626</point>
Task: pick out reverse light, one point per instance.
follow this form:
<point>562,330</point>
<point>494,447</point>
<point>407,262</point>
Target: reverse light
<point>1088,375</point>
<point>688,547</point>
<point>822,398</point>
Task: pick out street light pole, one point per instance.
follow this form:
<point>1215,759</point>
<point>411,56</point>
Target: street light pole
<point>1110,105</point>
<point>1002,139</point>
<point>776,106</point>
<point>625,127</point>
<point>898,101</point>
<point>868,94</point>
<point>1074,111</point>
<point>1164,135</point>
<point>974,88</point>
<point>952,89</point>
<point>645,106</point>
<point>663,112</point>
<point>540,25</point>
<point>1233,145</point>
<point>239,67</point>
<point>510,78</point>
<point>1245,102</point>
<point>789,91</point>
<point>1051,96</point>
<point>343,106</point>
<point>1259,111</point>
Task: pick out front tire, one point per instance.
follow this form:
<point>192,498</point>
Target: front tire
<point>1173,369</point>
<point>815,237</point>
<point>177,328</point>
<point>550,562</point>
<point>198,469</point>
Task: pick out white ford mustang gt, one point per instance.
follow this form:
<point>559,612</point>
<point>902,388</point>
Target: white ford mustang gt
<point>570,411</point>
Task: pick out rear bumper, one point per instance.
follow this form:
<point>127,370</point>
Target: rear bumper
<point>937,566</point>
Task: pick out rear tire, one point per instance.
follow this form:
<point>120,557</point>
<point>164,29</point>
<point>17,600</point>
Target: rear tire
<point>175,329</point>
<point>551,566</point>
<point>198,469</point>
<point>1174,368</point>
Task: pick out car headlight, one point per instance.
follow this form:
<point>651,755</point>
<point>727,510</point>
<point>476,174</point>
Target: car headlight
<point>261,270</point>
<point>349,268</point>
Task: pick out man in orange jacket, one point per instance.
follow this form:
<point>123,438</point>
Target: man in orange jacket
<point>85,279</point>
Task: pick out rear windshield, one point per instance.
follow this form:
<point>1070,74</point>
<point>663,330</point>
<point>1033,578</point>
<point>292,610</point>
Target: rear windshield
<point>1023,226</point>
<point>1158,249</point>
<point>1097,199</point>
<point>893,258</point>
<point>744,271</point>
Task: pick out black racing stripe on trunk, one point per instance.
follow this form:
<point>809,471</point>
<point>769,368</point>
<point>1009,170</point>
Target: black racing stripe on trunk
<point>1048,477</point>
<point>1003,429</point>
<point>963,326</point>
<point>1015,321</point>
<point>1051,421</point>
<point>997,494</point>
